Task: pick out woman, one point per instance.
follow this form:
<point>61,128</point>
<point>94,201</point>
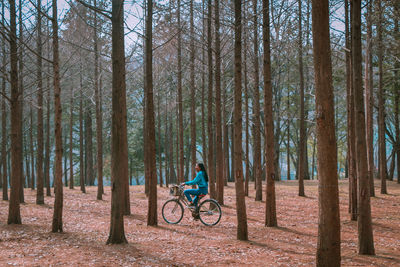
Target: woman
<point>201,180</point>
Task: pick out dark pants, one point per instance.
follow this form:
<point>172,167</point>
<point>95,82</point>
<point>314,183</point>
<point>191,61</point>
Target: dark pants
<point>196,193</point>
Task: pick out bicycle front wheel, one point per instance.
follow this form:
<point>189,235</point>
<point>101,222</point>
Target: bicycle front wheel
<point>172,211</point>
<point>210,212</point>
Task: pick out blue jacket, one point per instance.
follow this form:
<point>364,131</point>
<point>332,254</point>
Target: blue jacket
<point>199,180</point>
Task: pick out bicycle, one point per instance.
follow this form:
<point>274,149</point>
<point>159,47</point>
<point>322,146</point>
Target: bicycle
<point>208,211</point>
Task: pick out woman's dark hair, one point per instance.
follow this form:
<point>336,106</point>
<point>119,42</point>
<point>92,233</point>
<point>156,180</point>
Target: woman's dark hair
<point>203,169</point>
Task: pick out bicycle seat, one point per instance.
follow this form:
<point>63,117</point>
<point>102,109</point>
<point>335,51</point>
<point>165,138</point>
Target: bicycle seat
<point>201,196</point>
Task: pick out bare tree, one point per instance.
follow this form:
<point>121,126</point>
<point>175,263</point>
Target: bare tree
<point>270,204</point>
<point>119,144</point>
<point>3,113</point>
<point>365,235</point>
<point>192,94</point>
<point>14,215</point>
<point>58,187</point>
<point>328,249</point>
<point>302,144</point>
<point>218,121</point>
<point>381,107</point>
<point>210,131</point>
<point>150,125</point>
<point>238,173</point>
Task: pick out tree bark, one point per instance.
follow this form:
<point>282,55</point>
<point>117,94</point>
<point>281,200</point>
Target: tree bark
<point>119,144</point>
<point>39,161</point>
<point>180,101</point>
<point>237,118</point>
<point>150,124</point>
<point>58,187</point>
<point>71,121</point>
<point>47,148</point>
<point>4,114</point>
<point>328,249</point>
<point>192,95</point>
<point>365,235</point>
<point>81,145</point>
<point>99,115</point>
<point>210,149</point>
<point>218,122</point>
<point>203,85</point>
<point>270,203</point>
<point>21,96</point>
<point>246,104</point>
<point>302,144</point>
<point>369,99</point>
<point>32,161</point>
<point>381,107</point>
<point>89,144</point>
<point>256,110</point>
<point>14,215</point>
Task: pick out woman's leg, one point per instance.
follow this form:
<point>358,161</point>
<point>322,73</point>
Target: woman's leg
<point>193,192</point>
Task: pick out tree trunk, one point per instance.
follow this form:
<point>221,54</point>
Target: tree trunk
<point>14,216</point>
<point>159,139</point>
<point>226,137</point>
<point>47,152</point>
<point>218,142</point>
<point>58,187</point>
<point>150,124</point>
<point>4,114</point>
<point>365,235</point>
<point>32,161</point>
<point>39,160</point>
<point>350,123</point>
<point>119,144</point>
<point>397,92</point>
<point>237,118</point>
<point>99,115</point>
<point>180,101</point>
<point>302,144</point>
<point>256,110</point>
<point>89,144</point>
<point>246,104</point>
<point>71,121</point>
<point>328,249</point>
<point>288,139</point>
<point>192,95</point>
<point>210,156</point>
<point>381,107</point>
<point>270,205</point>
<point>81,145</point>
<point>369,100</point>
<point>203,85</point>
<point>21,97</point>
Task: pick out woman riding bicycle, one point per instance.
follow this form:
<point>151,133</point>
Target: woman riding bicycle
<point>201,180</point>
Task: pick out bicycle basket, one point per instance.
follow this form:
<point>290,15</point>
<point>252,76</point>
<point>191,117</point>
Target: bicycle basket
<point>175,190</point>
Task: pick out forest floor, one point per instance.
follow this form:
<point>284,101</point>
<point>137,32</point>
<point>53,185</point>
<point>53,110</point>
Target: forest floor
<point>190,243</point>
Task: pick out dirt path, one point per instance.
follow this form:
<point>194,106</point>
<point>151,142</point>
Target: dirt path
<point>293,243</point>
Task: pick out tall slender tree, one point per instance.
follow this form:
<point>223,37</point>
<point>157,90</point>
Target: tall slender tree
<point>21,96</point>
<point>81,147</point>
<point>210,113</point>
<point>58,188</point>
<point>14,215</point>
<point>381,106</point>
<point>39,161</point>
<point>256,110</point>
<point>328,248</point>
<point>3,113</point>
<point>119,142</point>
<point>71,121</point>
<point>365,235</point>
<point>270,203</point>
<point>369,100</point>
<point>99,115</point>
<point>242,233</point>
<point>192,94</point>
<point>303,143</point>
<point>218,122</point>
<point>150,125</point>
<point>180,99</point>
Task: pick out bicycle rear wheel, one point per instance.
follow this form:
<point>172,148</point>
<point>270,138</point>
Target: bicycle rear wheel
<point>210,212</point>
<point>172,211</point>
